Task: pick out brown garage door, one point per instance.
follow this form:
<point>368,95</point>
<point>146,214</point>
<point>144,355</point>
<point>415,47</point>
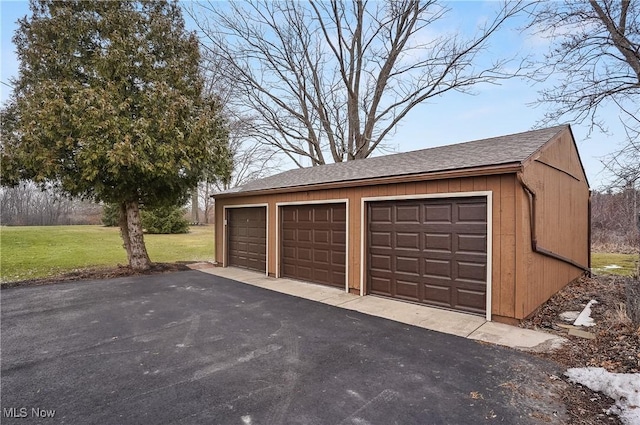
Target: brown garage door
<point>429,251</point>
<point>313,243</point>
<point>247,237</point>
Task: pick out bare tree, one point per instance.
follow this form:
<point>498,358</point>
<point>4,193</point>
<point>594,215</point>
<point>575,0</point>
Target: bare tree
<point>624,163</point>
<point>613,220</point>
<point>595,57</point>
<point>328,81</point>
<point>251,160</point>
<point>594,61</point>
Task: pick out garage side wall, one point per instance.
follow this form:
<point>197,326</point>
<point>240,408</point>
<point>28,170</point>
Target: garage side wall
<point>562,223</point>
<point>504,221</point>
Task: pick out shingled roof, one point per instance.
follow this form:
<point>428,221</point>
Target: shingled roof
<point>495,151</point>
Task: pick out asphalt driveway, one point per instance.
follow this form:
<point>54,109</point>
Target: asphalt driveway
<point>193,348</point>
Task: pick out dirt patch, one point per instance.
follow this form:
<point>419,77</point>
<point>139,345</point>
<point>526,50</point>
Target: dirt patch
<point>615,345</point>
<point>98,273</point>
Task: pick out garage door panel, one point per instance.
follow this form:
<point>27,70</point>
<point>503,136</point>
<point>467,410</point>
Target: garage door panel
<point>407,265</point>
<point>257,248</point>
<point>380,262</point>
<point>381,215</point>
<point>407,289</point>
<point>337,259</point>
<point>304,254</point>
<point>408,240</point>
<point>289,252</point>
<point>377,239</point>
<point>472,243</point>
<point>304,215</point>
<point>321,216</point>
<point>303,235</point>
<point>469,300</point>
<point>380,285</point>
<point>317,237</point>
<point>438,294</point>
<point>438,214</point>
<point>288,235</point>
<point>472,212</point>
<point>408,214</point>
<point>288,269</point>
<point>246,237</point>
<point>288,215</point>
<point>437,241</point>
<point>321,236</point>
<point>437,268</point>
<point>442,250</point>
<point>339,215</point>
<point>472,271</point>
<point>338,238</point>
<point>321,256</point>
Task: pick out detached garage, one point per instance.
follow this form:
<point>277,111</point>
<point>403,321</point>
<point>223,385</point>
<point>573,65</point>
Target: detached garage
<point>491,227</point>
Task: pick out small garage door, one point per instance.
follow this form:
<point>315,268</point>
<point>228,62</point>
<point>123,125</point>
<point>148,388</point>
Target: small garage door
<point>313,243</point>
<point>429,251</point>
<point>247,237</point>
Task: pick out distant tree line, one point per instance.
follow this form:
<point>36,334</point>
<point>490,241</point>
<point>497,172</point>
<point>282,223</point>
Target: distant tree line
<point>28,205</point>
<point>613,220</point>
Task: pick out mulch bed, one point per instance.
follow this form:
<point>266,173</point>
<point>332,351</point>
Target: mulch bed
<point>98,273</point>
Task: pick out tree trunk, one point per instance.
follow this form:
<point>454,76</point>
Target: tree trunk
<point>194,207</point>
<point>131,232</point>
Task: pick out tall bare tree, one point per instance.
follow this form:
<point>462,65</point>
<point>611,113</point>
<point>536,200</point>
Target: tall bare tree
<point>594,62</point>
<point>329,80</point>
<point>594,56</point>
<point>250,159</point>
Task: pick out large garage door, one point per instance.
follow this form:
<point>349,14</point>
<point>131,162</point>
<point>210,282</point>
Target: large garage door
<point>429,251</point>
<point>247,237</point>
<point>313,243</point>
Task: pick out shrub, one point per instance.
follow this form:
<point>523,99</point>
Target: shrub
<point>164,220</point>
<point>111,215</point>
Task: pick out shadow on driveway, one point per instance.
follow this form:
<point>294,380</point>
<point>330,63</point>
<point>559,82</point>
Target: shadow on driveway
<point>192,348</point>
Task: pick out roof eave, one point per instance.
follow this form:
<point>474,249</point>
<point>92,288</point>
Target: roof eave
<point>511,167</point>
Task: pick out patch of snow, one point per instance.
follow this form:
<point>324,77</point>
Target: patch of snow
<point>584,318</point>
<point>623,388</point>
<point>612,266</point>
<point>569,316</point>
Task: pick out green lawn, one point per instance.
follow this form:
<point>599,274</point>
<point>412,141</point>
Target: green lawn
<point>33,251</point>
<point>620,264</point>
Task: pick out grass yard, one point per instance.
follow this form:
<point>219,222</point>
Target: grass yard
<point>33,251</point>
<point>620,264</point>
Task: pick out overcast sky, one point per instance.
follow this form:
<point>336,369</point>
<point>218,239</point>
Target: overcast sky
<point>494,110</point>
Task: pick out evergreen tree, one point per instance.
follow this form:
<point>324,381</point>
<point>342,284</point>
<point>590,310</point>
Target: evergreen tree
<point>108,106</point>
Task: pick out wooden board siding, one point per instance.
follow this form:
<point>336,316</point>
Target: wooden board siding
<point>562,224</point>
<point>503,223</point>
<point>520,280</point>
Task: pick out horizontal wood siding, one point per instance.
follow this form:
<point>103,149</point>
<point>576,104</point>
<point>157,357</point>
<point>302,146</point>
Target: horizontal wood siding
<point>562,224</point>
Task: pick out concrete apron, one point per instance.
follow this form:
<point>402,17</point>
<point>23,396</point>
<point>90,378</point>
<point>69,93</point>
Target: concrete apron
<point>450,322</point>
